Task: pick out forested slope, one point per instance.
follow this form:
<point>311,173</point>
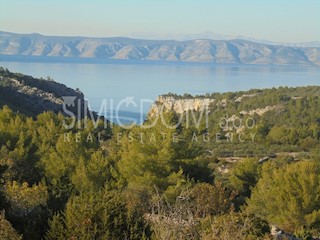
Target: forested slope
<point>166,183</point>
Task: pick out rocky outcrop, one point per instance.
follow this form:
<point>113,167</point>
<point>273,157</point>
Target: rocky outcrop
<point>36,93</point>
<point>259,111</point>
<point>239,99</point>
<point>33,96</point>
<point>179,105</point>
<point>278,234</point>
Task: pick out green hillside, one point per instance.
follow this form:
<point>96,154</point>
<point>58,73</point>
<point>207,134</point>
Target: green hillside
<point>190,181</point>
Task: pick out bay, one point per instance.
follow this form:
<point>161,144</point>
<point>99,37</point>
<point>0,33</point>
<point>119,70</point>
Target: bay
<point>131,87</point>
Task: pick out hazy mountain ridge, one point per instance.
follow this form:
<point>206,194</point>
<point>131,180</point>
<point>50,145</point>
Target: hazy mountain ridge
<point>202,50</point>
<point>216,36</point>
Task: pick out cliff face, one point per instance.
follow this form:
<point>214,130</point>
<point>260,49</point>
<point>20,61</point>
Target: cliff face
<point>33,96</point>
<point>179,105</point>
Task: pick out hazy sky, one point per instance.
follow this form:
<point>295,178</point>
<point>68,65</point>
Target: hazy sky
<point>277,20</point>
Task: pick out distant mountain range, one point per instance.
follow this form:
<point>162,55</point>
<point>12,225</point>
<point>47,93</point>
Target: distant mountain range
<point>236,51</point>
<point>215,36</point>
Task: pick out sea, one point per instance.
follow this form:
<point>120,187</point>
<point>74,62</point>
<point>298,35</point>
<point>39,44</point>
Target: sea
<point>130,87</point>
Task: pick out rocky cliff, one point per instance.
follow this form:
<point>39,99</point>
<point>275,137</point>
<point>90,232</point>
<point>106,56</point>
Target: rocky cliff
<point>179,105</point>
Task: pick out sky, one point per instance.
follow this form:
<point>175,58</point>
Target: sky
<point>274,20</point>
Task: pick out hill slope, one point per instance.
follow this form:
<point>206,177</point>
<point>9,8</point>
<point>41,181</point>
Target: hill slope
<point>202,50</point>
<point>33,96</point>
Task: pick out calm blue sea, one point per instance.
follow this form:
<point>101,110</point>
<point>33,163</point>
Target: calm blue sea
<point>131,87</point>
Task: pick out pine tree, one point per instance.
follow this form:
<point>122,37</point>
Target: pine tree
<point>288,196</point>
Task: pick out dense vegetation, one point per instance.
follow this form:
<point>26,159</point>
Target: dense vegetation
<point>65,184</point>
